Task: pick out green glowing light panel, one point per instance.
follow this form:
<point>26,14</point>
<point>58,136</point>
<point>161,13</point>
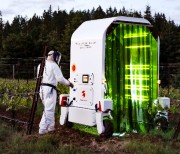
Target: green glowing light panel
<point>131,71</point>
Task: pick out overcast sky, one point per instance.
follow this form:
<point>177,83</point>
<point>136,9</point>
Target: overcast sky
<point>12,8</point>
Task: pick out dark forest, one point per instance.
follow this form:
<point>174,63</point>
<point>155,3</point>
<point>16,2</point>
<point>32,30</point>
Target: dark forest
<point>25,38</point>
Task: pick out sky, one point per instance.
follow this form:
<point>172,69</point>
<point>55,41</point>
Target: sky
<point>27,8</point>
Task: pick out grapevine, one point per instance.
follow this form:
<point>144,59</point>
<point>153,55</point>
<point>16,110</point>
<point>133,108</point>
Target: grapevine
<point>15,94</point>
<point>18,94</point>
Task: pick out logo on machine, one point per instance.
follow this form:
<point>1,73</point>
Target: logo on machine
<point>85,45</point>
<point>83,94</point>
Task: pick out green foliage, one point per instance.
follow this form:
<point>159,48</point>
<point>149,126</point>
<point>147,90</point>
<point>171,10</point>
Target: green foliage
<point>166,135</point>
<point>175,82</point>
<point>172,93</point>
<point>16,94</point>
<point>63,89</point>
<point>26,37</point>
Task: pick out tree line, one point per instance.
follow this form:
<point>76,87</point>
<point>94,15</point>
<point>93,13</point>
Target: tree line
<point>25,38</point>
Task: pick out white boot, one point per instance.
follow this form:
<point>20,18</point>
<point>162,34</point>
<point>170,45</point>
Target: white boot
<point>43,131</point>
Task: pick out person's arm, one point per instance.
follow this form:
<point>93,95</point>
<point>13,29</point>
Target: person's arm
<point>59,76</point>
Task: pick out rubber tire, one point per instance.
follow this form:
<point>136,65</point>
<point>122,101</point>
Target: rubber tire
<point>161,123</point>
<point>109,129</point>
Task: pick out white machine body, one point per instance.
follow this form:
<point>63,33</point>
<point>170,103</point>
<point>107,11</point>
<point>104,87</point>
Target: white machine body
<point>87,72</point>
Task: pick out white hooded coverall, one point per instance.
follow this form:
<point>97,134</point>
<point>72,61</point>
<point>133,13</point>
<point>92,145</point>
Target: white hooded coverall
<point>52,75</point>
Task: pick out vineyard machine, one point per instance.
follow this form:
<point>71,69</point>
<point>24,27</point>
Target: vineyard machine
<point>112,68</point>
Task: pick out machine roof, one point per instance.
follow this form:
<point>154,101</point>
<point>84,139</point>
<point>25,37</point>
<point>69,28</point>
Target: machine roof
<point>96,29</point>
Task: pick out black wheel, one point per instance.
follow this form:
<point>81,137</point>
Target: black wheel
<point>109,129</point>
<point>161,123</point>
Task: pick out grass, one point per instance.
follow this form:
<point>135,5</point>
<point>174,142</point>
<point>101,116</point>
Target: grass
<point>167,135</point>
<point>12,142</point>
<point>137,147</point>
<point>87,129</point>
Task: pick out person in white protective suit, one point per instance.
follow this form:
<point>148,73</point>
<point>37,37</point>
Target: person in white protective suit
<point>51,76</point>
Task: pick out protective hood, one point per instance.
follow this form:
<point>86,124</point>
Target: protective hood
<point>56,56</point>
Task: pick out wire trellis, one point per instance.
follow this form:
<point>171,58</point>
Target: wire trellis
<point>26,69</point>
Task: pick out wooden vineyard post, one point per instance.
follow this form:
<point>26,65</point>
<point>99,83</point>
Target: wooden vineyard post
<point>36,94</point>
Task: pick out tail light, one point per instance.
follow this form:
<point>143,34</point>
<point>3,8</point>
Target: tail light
<point>100,109</point>
<point>63,101</point>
